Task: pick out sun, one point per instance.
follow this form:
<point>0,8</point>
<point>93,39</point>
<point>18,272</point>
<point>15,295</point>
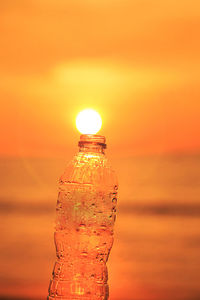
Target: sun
<point>88,121</point>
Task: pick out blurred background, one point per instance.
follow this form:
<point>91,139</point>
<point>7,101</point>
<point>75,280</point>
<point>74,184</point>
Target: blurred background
<point>137,63</point>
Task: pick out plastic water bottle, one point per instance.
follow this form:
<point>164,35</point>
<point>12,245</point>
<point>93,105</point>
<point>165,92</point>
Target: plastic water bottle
<point>86,212</point>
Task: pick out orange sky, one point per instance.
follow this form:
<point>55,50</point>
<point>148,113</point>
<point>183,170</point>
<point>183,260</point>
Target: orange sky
<point>136,62</point>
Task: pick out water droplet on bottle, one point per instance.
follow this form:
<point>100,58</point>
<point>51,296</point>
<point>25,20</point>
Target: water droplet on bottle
<point>84,253</point>
<point>114,200</point>
<point>82,226</point>
<point>114,209</point>
<point>103,227</point>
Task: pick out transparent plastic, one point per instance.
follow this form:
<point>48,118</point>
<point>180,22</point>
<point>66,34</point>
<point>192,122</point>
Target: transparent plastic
<point>86,212</point>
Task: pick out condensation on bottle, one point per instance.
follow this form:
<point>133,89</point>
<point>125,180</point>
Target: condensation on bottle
<point>85,216</point>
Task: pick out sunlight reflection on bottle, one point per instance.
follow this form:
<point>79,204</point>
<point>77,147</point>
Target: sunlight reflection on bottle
<point>75,287</point>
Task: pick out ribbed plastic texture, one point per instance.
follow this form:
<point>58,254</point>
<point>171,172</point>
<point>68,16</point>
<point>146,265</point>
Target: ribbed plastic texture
<point>86,212</point>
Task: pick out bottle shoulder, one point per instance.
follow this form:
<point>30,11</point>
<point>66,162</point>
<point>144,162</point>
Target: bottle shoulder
<point>90,168</point>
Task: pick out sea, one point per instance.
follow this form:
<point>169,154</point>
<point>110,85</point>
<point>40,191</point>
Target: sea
<point>156,251</point>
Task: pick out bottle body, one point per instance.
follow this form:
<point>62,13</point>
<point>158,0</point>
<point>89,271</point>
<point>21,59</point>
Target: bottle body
<point>86,212</point>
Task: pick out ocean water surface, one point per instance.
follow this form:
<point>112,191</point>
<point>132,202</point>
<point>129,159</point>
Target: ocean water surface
<point>156,253</point>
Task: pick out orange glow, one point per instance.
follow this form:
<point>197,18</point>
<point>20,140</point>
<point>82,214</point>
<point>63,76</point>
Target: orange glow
<point>140,74</point>
<point>137,63</point>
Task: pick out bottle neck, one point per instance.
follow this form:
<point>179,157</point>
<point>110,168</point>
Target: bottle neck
<point>92,143</point>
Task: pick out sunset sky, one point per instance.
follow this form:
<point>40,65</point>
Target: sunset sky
<point>136,62</point>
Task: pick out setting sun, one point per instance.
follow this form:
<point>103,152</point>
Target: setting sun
<point>88,121</point>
